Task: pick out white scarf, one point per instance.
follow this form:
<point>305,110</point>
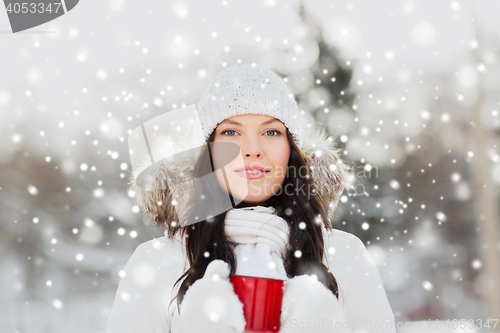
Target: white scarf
<point>262,236</point>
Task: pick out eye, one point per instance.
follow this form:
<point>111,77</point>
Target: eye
<point>228,130</point>
<point>277,132</point>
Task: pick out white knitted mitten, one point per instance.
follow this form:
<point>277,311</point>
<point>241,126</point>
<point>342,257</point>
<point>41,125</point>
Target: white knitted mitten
<point>210,305</point>
<point>308,306</point>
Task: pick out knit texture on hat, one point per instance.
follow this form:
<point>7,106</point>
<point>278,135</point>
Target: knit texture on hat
<point>232,92</point>
<point>247,88</point>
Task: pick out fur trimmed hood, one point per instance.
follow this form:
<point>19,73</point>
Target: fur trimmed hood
<point>160,203</point>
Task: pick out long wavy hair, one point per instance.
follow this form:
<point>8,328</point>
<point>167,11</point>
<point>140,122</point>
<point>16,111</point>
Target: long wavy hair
<point>208,236</point>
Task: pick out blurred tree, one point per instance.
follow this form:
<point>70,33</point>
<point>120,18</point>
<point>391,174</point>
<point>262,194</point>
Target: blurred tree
<point>318,76</point>
<point>482,136</point>
<point>330,70</point>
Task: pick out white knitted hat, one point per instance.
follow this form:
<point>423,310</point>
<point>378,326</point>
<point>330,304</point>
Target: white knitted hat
<point>243,83</point>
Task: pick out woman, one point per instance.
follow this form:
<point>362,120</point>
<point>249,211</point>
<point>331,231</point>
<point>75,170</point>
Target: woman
<point>277,225</point>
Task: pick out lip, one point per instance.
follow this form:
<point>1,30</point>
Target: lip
<point>242,174</point>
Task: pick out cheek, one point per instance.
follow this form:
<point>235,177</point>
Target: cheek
<point>280,157</point>
<point>225,154</point>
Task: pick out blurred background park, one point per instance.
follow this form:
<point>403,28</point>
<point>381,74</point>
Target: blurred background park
<point>409,89</point>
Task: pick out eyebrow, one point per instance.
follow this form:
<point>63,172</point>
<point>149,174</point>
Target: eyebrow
<point>239,124</point>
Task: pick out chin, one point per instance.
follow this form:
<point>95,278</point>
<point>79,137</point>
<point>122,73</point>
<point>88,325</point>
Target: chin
<point>248,197</point>
<point>254,201</point>
<point>251,195</point>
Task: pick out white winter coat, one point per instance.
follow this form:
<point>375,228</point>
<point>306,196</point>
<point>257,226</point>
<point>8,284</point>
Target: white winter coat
<point>142,300</point>
<point>141,304</point>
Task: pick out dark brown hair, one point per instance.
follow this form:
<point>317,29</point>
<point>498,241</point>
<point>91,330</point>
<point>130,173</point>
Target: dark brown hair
<point>208,236</point>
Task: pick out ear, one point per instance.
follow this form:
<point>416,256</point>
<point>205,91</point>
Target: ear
<point>331,175</point>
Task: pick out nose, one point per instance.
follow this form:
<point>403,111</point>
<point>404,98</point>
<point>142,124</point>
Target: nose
<point>251,147</point>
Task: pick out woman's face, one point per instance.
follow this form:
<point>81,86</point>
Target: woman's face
<point>263,145</point>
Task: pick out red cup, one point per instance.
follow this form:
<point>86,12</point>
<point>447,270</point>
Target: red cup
<point>261,298</point>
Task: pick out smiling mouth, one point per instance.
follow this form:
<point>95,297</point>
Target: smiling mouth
<point>251,174</point>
